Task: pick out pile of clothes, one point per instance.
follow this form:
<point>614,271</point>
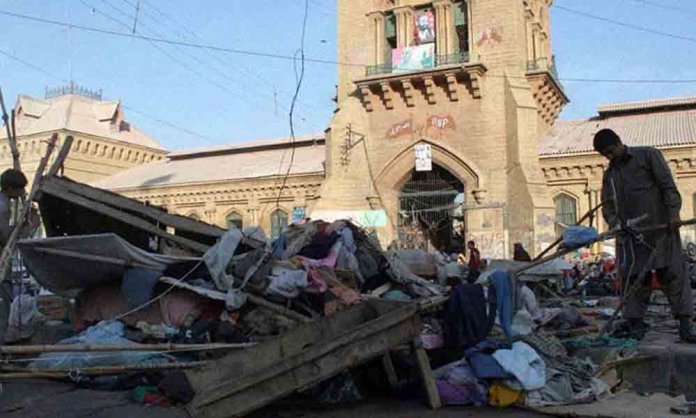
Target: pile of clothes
<point>534,370</point>
<point>237,292</point>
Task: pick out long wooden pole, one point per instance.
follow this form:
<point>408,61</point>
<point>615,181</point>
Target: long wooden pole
<point>11,133</point>
<point>86,348</point>
<point>104,370</point>
<point>62,155</point>
<point>560,239</point>
<point>602,237</point>
<point>24,217</point>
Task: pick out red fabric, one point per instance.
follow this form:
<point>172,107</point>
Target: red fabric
<point>105,302</point>
<point>475,259</point>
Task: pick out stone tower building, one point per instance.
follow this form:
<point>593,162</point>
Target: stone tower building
<point>470,83</point>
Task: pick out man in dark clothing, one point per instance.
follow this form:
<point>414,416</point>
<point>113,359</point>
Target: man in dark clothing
<point>519,253</point>
<point>638,182</point>
<point>474,262</point>
<point>12,184</point>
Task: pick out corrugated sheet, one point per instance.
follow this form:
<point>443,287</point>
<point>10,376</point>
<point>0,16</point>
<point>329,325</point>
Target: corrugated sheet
<point>659,129</point>
<point>255,163</point>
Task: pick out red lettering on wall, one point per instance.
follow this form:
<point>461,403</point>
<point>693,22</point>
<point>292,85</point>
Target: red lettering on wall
<point>402,128</point>
<point>442,122</point>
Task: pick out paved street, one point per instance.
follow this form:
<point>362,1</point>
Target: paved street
<point>47,399</point>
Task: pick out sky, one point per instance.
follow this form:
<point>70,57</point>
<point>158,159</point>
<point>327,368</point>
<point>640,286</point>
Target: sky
<point>191,97</point>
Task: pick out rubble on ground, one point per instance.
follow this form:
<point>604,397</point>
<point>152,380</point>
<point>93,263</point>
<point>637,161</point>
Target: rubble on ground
<point>251,320</point>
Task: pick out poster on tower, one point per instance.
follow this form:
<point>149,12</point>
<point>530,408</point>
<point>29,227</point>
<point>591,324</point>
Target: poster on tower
<point>424,160</point>
<point>413,58</point>
<point>424,27</point>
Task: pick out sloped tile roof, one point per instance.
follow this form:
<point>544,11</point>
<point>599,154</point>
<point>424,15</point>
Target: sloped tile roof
<point>646,105</point>
<point>77,114</point>
<point>674,124</point>
<point>265,160</point>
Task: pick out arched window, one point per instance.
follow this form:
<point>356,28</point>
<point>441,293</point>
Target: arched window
<point>279,222</point>
<point>234,220</point>
<point>566,210</point>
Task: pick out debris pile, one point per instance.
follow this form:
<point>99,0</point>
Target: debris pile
<point>226,322</point>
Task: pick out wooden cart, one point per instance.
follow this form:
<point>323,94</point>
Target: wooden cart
<point>244,381</point>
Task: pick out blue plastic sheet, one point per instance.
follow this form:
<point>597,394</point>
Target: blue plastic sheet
<point>579,236</point>
<point>105,332</point>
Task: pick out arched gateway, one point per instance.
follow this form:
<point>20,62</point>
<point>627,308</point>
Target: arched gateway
<point>431,211</point>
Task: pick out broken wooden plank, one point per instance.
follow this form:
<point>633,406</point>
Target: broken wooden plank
<point>237,385</point>
<point>54,190</point>
<point>390,370</point>
<point>60,158</point>
<point>121,202</point>
<point>426,374</point>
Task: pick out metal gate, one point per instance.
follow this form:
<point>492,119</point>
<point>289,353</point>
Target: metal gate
<point>431,211</point>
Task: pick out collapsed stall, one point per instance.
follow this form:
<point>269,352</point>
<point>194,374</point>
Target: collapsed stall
<point>268,318</point>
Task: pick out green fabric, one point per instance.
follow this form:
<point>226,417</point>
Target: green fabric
<point>140,392</point>
<point>606,341</point>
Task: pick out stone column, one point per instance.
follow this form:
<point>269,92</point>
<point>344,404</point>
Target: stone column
<point>444,27</point>
<point>378,28</point>
<point>404,26</point>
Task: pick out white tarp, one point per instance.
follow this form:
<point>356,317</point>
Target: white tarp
<point>65,265</point>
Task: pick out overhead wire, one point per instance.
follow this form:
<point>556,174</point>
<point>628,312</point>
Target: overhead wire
<point>235,94</point>
<point>666,6</point>
<point>299,80</point>
<point>320,61</point>
<point>187,35</point>
<point>130,108</point>
<point>625,24</point>
<point>171,41</point>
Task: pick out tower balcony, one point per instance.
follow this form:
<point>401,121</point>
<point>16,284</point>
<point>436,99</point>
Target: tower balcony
<point>546,88</point>
<point>452,74</point>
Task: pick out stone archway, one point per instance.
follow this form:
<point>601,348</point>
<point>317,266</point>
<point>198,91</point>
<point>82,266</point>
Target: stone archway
<point>396,173</point>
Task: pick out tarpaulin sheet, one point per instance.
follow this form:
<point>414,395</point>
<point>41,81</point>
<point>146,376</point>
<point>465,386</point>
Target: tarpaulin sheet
<point>65,265</point>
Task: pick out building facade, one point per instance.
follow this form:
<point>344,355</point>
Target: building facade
<point>449,133</point>
<point>248,184</point>
<point>104,144</point>
<point>573,170</point>
<point>473,84</point>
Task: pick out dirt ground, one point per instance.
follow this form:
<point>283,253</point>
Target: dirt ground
<point>49,399</point>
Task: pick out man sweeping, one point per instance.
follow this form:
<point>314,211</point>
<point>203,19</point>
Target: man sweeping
<point>12,186</point>
<point>638,182</point>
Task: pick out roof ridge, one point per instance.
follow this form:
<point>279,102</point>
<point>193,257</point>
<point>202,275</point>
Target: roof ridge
<point>669,103</point>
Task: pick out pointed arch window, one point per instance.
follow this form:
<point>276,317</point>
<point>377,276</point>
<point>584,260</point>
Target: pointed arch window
<point>566,210</point>
<point>234,220</point>
<point>279,222</point>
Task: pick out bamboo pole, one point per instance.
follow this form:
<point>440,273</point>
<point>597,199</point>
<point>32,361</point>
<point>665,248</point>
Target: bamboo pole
<point>96,371</point>
<point>32,349</point>
<point>11,133</point>
<point>14,236</point>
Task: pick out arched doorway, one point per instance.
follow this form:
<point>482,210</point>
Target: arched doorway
<point>431,211</point>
